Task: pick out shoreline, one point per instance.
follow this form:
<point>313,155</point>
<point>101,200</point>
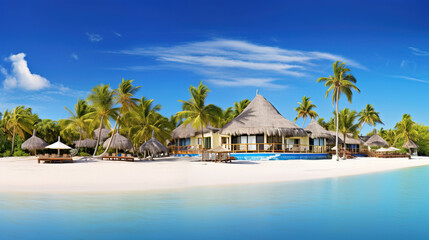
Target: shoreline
<point>24,175</point>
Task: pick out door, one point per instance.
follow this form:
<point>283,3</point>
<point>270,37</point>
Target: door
<point>252,139</point>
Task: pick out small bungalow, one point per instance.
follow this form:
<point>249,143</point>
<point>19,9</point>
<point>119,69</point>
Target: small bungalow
<point>352,144</point>
<point>318,136</point>
<point>411,146</point>
<point>261,128</point>
<point>188,136</point>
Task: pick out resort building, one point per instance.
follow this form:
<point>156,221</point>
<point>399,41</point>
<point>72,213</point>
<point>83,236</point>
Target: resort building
<point>354,145</point>
<point>376,141</point>
<point>261,128</point>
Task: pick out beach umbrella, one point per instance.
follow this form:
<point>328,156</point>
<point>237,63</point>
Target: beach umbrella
<point>58,145</point>
<point>410,145</point>
<point>382,150</point>
<point>393,149</point>
<point>34,143</point>
<point>119,142</point>
<point>87,143</point>
<point>153,146</point>
<point>219,149</point>
<point>334,148</point>
<point>104,133</point>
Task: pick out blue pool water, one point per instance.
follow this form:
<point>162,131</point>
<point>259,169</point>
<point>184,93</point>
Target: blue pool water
<point>279,156</point>
<point>392,205</point>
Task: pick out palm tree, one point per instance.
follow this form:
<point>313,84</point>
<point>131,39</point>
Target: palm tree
<point>225,117</point>
<point>342,82</point>
<point>79,120</point>
<point>146,121</point>
<point>347,124</point>
<point>369,116</point>
<point>240,106</point>
<point>405,128</point>
<point>102,100</point>
<point>123,95</point>
<point>18,122</point>
<point>305,109</point>
<point>48,130</point>
<point>196,112</point>
<point>174,121</point>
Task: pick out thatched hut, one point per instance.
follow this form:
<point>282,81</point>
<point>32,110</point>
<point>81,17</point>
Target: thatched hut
<point>376,141</point>
<point>154,147</point>
<point>104,133</point>
<point>34,143</point>
<point>411,146</point>
<point>119,142</point>
<point>261,122</point>
<point>86,143</point>
<point>318,135</point>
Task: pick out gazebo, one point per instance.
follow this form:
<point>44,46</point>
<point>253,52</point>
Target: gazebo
<point>153,146</point>
<point>34,143</point>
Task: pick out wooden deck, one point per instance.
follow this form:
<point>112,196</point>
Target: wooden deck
<point>55,159</point>
<point>118,158</point>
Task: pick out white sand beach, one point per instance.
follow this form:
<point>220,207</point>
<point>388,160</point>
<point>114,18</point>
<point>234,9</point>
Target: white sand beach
<point>23,174</point>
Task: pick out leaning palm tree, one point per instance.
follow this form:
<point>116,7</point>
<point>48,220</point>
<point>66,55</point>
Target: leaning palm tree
<point>369,116</point>
<point>101,99</point>
<point>305,109</point>
<point>78,121</point>
<point>240,106</point>
<point>18,122</point>
<point>406,128</point>
<point>123,96</point>
<point>196,112</point>
<point>347,124</point>
<point>342,82</point>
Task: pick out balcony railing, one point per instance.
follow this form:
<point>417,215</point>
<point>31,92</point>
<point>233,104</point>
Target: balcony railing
<point>257,148</point>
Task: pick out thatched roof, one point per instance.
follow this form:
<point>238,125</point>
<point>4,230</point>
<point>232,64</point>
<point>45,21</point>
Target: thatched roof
<point>376,141</point>
<point>104,133</point>
<point>410,145</point>
<point>153,146</point>
<point>119,142</point>
<point>34,143</point>
<point>187,131</point>
<point>87,143</point>
<point>314,130</point>
<point>219,149</point>
<point>259,117</point>
<point>349,140</point>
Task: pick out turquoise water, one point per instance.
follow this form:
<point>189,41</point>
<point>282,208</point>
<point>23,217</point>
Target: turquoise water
<point>392,205</point>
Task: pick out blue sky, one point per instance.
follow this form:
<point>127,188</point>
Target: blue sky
<point>52,52</point>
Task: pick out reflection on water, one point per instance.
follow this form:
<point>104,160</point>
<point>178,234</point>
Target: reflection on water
<point>391,205</point>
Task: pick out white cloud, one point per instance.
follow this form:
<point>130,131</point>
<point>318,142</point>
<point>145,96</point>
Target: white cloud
<point>248,82</point>
<point>242,59</point>
<point>74,56</point>
<point>94,37</point>
<point>418,52</point>
<point>411,79</point>
<point>21,76</point>
<point>403,63</point>
<point>117,34</point>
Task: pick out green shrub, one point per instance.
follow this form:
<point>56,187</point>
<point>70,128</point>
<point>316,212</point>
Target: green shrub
<point>20,153</point>
<point>6,153</point>
<point>84,154</point>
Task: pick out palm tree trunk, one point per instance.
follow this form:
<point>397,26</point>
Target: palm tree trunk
<point>80,139</point>
<point>304,122</point>
<point>202,143</point>
<point>345,145</point>
<point>114,130</point>
<point>99,136</point>
<point>13,139</point>
<point>336,134</point>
